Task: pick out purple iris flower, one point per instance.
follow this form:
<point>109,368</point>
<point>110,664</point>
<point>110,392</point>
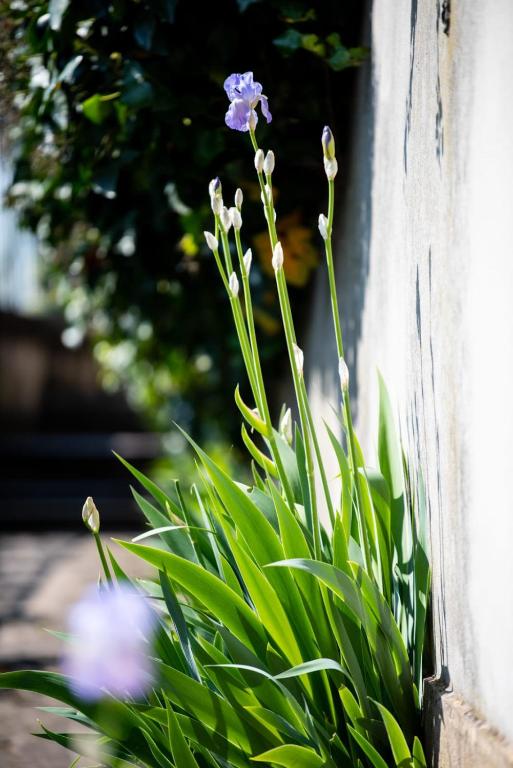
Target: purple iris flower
<point>244,95</point>
<point>109,649</point>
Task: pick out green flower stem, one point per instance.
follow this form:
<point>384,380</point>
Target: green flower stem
<point>253,139</point>
<point>340,352</point>
<point>220,267</point>
<point>290,338</point>
<point>304,396</point>
<point>226,247</point>
<point>103,559</point>
<point>260,379</point>
<point>308,413</point>
<point>331,270</point>
<point>248,304</point>
<point>238,319</point>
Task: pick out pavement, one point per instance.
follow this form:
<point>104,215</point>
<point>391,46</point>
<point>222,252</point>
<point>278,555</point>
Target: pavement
<point>41,576</point>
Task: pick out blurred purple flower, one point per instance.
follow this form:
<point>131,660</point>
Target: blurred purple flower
<point>109,649</point>
<point>244,95</point>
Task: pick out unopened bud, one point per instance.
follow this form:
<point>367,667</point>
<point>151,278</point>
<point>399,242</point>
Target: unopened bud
<point>331,168</point>
<point>299,358</point>
<point>236,218</point>
<point>233,284</point>
<point>211,241</point>
<point>216,205</point>
<point>259,161</point>
<point>323,226</point>
<point>286,426</point>
<point>248,258</point>
<point>328,143</point>
<point>215,189</point>
<point>238,198</point>
<point>226,219</point>
<point>277,260</point>
<point>91,516</point>
<point>216,195</point>
<point>343,372</point>
<point>269,163</point>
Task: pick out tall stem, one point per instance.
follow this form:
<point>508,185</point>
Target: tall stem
<point>103,559</point>
<point>340,352</point>
<point>331,270</point>
<point>239,320</point>
<point>259,376</point>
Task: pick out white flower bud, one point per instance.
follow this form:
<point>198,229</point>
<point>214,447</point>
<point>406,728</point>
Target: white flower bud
<point>269,163</point>
<point>236,218</point>
<point>267,217</point>
<point>217,205</point>
<point>211,241</point>
<point>277,257</point>
<point>216,195</point>
<point>328,143</point>
<point>331,167</point>
<point>90,515</point>
<point>238,198</point>
<point>343,373</point>
<point>299,358</point>
<point>214,188</point>
<point>259,161</point>
<point>233,284</point>
<point>286,426</point>
<point>248,258</point>
<point>323,226</point>
<point>226,219</point>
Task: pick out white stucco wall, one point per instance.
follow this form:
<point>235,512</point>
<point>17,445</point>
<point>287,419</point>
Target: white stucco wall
<point>425,265</point>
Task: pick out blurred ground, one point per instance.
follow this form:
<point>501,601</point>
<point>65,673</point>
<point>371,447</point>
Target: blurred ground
<point>41,576</point>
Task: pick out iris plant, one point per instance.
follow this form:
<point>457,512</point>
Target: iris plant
<point>266,635</point>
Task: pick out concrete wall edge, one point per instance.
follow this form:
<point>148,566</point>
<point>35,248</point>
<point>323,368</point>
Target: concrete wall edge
<point>456,734</point>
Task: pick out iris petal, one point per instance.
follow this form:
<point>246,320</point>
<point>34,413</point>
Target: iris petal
<point>265,108</point>
<point>238,115</point>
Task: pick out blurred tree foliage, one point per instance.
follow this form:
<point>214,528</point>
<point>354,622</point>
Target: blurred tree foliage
<point>119,128</point>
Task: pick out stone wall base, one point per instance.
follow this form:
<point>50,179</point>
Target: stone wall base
<point>457,735</point>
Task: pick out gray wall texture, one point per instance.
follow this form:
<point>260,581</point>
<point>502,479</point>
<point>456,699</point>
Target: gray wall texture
<point>425,270</point>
